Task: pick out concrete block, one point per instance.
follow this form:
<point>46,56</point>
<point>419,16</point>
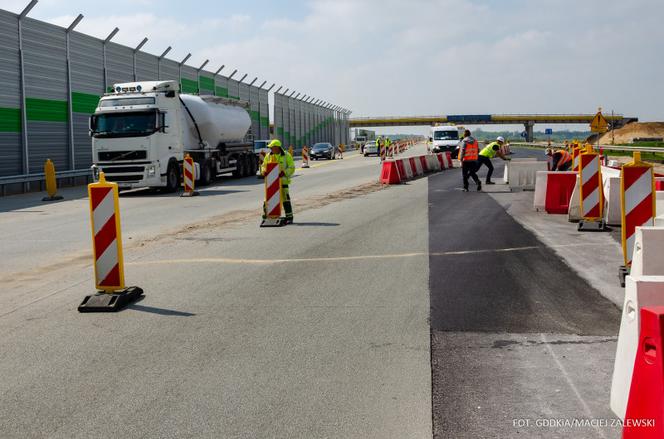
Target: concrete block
<point>612,207</point>
<point>640,291</point>
<point>522,174</point>
<point>648,257</point>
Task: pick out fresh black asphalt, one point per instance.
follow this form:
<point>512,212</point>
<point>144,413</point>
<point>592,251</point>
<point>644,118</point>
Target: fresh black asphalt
<point>489,275</point>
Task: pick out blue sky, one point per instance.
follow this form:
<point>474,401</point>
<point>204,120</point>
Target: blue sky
<point>392,57</point>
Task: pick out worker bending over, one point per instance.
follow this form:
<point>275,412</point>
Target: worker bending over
<point>287,168</point>
<point>561,160</point>
<point>489,152</point>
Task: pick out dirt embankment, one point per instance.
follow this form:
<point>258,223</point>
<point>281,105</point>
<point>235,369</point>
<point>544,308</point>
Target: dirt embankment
<point>635,130</point>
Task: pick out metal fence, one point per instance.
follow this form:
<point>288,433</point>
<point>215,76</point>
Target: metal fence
<point>51,79</point>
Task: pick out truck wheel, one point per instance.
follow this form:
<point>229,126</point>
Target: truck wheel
<point>239,168</point>
<point>206,173</point>
<point>254,165</point>
<point>172,177</point>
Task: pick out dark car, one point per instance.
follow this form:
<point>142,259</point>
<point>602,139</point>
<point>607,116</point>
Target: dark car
<point>323,151</point>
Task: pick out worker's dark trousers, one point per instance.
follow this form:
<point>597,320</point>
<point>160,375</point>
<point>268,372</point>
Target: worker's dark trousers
<point>482,160</point>
<point>566,166</point>
<point>285,198</point>
<point>469,169</point>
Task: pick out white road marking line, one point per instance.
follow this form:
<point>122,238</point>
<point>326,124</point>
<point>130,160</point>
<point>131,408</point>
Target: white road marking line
<point>570,383</point>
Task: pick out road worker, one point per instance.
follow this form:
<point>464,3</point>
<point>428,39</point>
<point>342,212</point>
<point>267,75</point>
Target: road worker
<point>287,167</point>
<point>468,155</point>
<point>561,160</point>
<point>487,153</point>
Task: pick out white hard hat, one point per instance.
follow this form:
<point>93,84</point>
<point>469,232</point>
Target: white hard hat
<point>501,139</point>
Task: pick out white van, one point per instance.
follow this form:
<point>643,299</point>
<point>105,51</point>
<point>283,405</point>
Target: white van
<point>445,138</point>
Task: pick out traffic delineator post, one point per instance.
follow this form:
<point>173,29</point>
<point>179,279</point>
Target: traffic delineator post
<point>51,182</point>
<point>342,148</point>
<point>290,150</point>
<point>644,418</point>
<point>273,201</point>
<point>112,293</point>
<point>383,153</point>
<point>261,157</point>
<point>638,202</point>
<point>576,153</point>
<point>591,192</point>
<point>305,157</point>
<point>189,176</point>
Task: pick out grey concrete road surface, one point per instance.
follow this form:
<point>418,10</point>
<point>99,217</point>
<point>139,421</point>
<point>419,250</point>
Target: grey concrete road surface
<point>315,330</point>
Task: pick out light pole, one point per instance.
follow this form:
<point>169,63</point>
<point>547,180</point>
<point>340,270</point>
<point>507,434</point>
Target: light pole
<point>24,117</point>
<point>136,49</point>
<point>161,57</point>
<point>198,75</point>
<point>184,60</point>
<point>70,109</point>
<point>106,41</point>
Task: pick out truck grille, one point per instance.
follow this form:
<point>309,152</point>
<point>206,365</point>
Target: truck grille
<point>130,155</point>
<point>123,178</point>
<point>122,169</point>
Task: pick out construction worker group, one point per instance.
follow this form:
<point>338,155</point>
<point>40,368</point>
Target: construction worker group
<point>472,158</point>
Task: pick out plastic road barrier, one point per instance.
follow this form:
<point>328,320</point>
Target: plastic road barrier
<point>645,409</point>
<point>407,167</point>
<point>272,196</point>
<point>51,182</point>
<point>107,250</point>
<point>390,173</point>
<point>189,176</point>
<point>640,291</point>
<point>591,197</point>
<point>638,201</point>
<point>559,188</point>
<point>305,157</point>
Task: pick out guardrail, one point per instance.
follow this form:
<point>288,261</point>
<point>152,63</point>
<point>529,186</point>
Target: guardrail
<point>31,178</point>
<point>605,147</point>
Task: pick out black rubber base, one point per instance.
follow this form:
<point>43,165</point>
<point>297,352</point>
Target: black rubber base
<point>273,222</point>
<point>55,198</point>
<point>110,302</point>
<point>622,273</point>
<point>592,226</point>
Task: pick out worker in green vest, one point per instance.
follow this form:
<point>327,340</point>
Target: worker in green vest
<point>488,152</point>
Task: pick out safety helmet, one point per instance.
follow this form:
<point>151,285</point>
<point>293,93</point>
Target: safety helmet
<point>275,142</point>
<point>549,151</point>
<point>501,139</point>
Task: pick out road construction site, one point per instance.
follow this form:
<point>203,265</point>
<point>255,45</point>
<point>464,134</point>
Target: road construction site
<point>408,310</point>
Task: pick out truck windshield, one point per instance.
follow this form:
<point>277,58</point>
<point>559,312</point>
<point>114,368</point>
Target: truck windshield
<point>133,124</point>
<point>445,135</point>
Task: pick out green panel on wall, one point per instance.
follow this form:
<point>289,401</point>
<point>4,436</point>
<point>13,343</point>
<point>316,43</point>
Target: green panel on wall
<point>221,91</point>
<point>188,85</point>
<point>206,83</point>
<point>10,120</point>
<point>45,110</point>
<point>84,103</point>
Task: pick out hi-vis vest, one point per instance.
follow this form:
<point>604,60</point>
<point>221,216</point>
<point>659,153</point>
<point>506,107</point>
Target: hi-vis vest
<point>488,150</point>
<point>471,152</point>
<point>564,157</point>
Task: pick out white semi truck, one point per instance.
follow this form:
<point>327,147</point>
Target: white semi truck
<point>142,131</point>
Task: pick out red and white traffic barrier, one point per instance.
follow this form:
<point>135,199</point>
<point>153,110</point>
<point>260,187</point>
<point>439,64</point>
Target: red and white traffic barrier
<point>408,169</point>
<point>107,251</point>
<point>273,191</point>
<point>189,176</point>
<point>592,200</point>
<point>638,199</point>
<point>305,157</point>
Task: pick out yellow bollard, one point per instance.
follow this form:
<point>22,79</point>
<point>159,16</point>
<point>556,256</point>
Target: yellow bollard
<point>290,150</point>
<point>51,183</point>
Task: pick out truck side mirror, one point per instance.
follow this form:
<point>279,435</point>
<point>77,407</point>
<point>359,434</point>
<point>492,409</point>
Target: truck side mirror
<point>170,94</point>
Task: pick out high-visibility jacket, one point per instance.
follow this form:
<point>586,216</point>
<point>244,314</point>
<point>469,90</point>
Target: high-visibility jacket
<point>286,165</point>
<point>564,157</point>
<point>489,151</point>
<point>471,151</point>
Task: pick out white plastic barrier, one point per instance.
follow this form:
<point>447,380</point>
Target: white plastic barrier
<point>574,214</point>
<point>648,256</point>
<point>433,163</point>
<point>659,206</point>
<point>612,205</point>
<point>506,170</point>
<point>640,291</point>
<point>541,180</point>
<point>521,174</point>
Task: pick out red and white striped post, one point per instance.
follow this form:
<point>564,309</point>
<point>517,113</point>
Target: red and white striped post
<point>107,250</point>
<point>383,152</point>
<point>272,196</point>
<point>638,199</point>
<point>305,157</point>
<point>592,199</point>
<point>189,176</point>
<point>576,153</point>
